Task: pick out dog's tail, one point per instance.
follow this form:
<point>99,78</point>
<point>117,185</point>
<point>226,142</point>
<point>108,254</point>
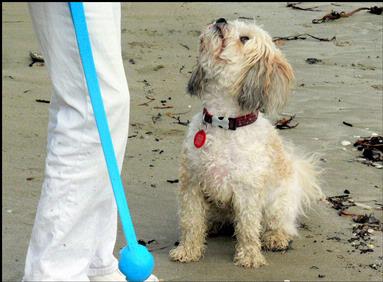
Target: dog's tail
<point>309,171</point>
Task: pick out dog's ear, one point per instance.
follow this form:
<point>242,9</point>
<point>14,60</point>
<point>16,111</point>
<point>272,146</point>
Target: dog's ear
<point>196,81</point>
<point>267,84</point>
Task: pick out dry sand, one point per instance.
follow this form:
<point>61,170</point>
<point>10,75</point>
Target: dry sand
<point>161,39</point>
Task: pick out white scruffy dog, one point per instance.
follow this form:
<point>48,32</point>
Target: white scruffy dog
<point>240,173</point>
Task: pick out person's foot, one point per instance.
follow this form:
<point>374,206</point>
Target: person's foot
<point>118,276</point>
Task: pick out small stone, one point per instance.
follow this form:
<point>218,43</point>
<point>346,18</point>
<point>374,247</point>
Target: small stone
<point>346,143</point>
<point>373,266</point>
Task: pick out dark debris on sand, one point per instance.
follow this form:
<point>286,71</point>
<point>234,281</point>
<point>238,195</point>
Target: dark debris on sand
<point>365,225</point>
<point>284,123</point>
<point>334,15</point>
<point>312,61</point>
<point>341,202</point>
<point>372,150</point>
<point>362,234</point>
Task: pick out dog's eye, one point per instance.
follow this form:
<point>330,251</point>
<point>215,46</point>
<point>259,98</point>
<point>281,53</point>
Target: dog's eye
<point>244,39</point>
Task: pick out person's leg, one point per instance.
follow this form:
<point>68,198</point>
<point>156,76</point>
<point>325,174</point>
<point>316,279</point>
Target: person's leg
<point>112,77</point>
<point>76,221</point>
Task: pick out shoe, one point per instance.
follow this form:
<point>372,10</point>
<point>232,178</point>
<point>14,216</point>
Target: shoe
<point>119,277</point>
<point>152,278</point>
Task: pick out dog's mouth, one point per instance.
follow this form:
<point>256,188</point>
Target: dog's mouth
<point>213,40</point>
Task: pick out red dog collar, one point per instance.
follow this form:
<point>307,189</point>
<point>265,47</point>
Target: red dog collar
<point>229,123</point>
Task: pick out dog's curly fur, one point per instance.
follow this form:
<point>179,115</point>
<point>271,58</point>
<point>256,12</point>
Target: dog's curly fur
<point>247,176</point>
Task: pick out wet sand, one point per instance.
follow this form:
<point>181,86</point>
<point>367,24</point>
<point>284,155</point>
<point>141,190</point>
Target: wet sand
<point>160,43</point>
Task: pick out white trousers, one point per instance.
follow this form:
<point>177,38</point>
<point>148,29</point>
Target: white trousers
<point>75,229</point>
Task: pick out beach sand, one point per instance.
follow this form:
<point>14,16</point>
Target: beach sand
<point>160,43</point>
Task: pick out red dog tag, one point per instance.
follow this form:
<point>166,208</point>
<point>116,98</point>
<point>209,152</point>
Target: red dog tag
<point>199,139</point>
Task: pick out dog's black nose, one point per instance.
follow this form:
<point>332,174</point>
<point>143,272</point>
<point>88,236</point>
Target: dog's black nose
<point>221,21</point>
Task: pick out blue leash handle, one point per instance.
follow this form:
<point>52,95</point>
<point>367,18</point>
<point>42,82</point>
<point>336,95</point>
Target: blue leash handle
<point>83,41</point>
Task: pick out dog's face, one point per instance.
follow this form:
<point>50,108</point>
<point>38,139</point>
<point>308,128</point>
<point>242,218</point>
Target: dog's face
<point>242,58</point>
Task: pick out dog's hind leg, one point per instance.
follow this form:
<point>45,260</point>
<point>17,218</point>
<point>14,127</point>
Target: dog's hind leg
<point>280,214</point>
<point>193,220</point>
<point>247,218</point>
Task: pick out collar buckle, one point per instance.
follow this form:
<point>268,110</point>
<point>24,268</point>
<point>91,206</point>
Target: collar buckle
<point>221,122</point>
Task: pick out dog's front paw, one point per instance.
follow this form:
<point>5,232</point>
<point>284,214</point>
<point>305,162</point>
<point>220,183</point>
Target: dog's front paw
<point>186,254</point>
<point>275,240</point>
<point>249,259</point>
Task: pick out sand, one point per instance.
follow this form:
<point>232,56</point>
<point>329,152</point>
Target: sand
<point>160,43</point>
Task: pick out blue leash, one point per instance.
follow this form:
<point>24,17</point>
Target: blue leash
<point>135,261</point>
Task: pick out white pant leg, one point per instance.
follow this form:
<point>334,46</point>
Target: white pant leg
<point>76,221</point>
